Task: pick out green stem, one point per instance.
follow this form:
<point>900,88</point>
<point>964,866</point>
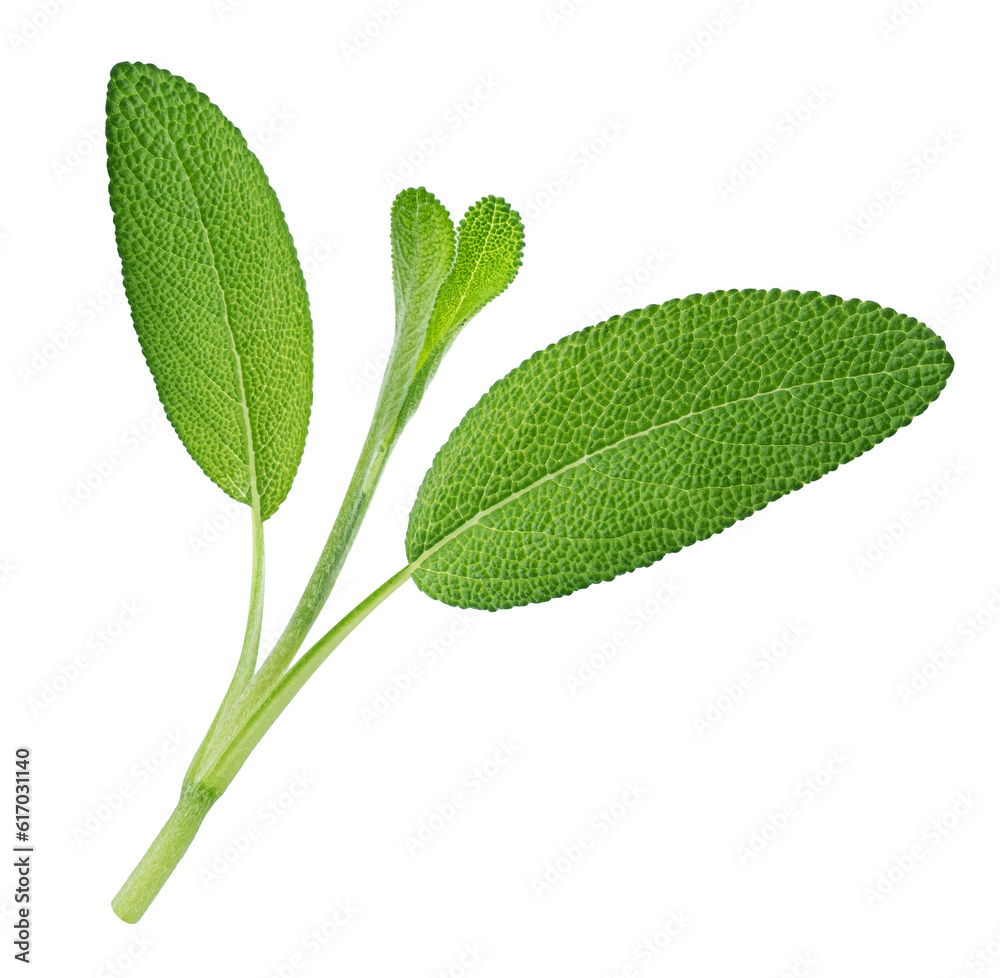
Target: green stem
<point>368,471</point>
<point>251,639</point>
<point>264,704</point>
<point>255,618</point>
<point>132,900</point>
<point>383,432</point>
<point>222,758</point>
<point>254,701</point>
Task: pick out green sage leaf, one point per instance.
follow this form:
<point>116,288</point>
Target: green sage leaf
<point>646,433</point>
<point>213,281</point>
<point>490,246</point>
<point>423,253</point>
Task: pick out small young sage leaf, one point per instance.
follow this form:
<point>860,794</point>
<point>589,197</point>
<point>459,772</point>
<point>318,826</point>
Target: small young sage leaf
<point>490,246</point>
<point>423,254</point>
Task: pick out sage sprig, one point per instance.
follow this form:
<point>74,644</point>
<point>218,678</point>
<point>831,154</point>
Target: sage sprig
<point>611,448</point>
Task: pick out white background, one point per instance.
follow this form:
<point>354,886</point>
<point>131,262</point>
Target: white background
<point>331,124</point>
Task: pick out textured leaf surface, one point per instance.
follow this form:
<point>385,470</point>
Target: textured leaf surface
<point>490,245</point>
<point>213,281</point>
<point>423,253</point>
<point>633,438</point>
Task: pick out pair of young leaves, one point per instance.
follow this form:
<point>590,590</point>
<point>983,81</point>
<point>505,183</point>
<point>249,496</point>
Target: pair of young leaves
<point>598,455</point>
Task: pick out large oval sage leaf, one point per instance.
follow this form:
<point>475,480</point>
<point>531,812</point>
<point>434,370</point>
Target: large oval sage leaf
<point>213,281</point>
<point>633,438</point>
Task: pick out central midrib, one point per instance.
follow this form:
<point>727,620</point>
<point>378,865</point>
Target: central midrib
<point>472,274</point>
<point>550,476</point>
<point>244,405</point>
